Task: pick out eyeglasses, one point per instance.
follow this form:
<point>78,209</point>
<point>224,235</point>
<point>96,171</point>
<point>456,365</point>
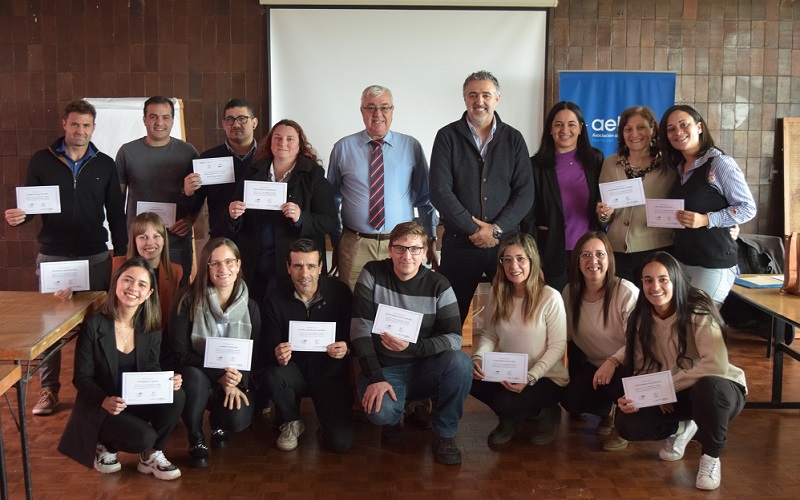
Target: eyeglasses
<point>229,263</point>
<point>242,119</point>
<point>372,108</point>
<point>401,249</point>
<point>588,255</point>
<point>519,259</point>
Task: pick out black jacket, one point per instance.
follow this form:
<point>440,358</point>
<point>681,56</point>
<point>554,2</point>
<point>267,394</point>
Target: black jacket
<point>282,306</point>
<point>96,377</point>
<point>78,230</point>
<point>309,189</point>
<point>545,221</point>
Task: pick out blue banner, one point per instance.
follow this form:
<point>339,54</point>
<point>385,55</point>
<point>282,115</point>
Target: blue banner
<point>604,95</point>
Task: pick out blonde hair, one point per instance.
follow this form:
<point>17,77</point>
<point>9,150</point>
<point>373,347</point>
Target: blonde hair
<point>503,289</point>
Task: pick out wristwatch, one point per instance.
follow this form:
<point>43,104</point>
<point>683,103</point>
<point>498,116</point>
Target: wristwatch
<point>531,379</point>
<point>496,231</point>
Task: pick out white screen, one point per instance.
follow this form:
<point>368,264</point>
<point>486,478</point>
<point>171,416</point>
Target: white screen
<point>321,60</point>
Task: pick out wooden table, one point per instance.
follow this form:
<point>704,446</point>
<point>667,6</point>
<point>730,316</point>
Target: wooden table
<point>784,309</point>
<point>30,323</point>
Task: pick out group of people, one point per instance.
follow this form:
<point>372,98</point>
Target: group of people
<point>635,299</point>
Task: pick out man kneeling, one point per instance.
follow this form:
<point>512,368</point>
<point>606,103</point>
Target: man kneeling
<point>297,370</point>
<point>395,370</point>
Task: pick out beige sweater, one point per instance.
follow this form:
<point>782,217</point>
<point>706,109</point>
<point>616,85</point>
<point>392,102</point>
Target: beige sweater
<point>706,353</point>
<point>596,340</point>
<point>543,339</point>
<point>628,231</point>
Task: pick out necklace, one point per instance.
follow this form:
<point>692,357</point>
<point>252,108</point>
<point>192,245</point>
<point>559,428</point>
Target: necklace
<point>633,172</point>
<point>119,326</point>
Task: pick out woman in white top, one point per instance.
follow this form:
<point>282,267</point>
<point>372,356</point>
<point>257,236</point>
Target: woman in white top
<point>526,317</point>
<point>677,327</point>
<point>598,305</point>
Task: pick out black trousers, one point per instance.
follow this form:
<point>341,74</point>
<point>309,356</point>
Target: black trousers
<point>464,264</point>
<point>711,402</point>
<point>514,406</point>
<point>203,394</point>
<point>333,402</point>
<point>141,427</point>
<point>581,397</point>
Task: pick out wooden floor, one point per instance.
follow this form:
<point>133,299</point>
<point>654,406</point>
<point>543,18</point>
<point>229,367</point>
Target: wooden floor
<point>762,459</point>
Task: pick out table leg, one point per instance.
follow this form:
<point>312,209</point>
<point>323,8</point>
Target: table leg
<point>778,327</point>
<point>4,489</point>
<point>22,396</point>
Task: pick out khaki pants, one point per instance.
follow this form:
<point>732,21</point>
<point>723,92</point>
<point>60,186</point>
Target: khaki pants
<point>355,251</point>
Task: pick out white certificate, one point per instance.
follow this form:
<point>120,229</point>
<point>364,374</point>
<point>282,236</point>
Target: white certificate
<point>651,389</point>
<point>39,199</point>
<point>224,352</point>
<point>621,194</point>
<point>260,195</point>
<point>661,213</point>
<point>214,170</point>
<point>401,323</point>
<point>147,388</point>
<point>510,366</point>
<point>314,336</point>
<point>164,210</point>
<point>55,276</point>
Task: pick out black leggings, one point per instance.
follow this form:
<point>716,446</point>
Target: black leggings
<point>514,406</point>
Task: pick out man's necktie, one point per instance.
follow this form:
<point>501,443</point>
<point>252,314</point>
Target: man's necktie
<point>377,216</point>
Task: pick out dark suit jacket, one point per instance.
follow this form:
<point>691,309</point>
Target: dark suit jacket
<point>545,221</point>
<point>96,377</point>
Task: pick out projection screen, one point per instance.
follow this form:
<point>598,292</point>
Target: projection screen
<point>320,59</point>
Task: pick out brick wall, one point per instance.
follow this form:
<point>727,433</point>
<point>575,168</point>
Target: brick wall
<point>738,63</point>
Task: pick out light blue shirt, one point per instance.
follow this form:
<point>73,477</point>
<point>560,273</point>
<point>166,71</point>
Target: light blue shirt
<point>728,179</point>
<point>405,183</point>
<point>484,147</point>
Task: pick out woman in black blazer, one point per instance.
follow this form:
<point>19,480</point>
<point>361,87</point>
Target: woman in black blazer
<point>566,169</point>
<point>123,336</point>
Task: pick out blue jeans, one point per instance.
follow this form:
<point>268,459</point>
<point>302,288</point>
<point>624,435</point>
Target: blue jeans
<point>446,376</point>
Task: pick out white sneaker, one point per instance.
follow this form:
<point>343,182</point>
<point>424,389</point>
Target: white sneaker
<point>675,445</point>
<point>290,431</point>
<point>105,461</point>
<point>709,474</point>
<point>158,465</point>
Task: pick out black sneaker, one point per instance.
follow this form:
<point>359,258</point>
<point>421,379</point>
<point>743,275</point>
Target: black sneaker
<point>198,451</point>
<point>219,438</point>
<point>445,451</point>
<point>393,435</point>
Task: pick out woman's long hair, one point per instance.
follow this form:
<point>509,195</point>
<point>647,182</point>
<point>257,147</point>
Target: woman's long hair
<point>672,156</point>
<point>264,152</point>
<point>547,148</point>
<point>687,301</point>
<point>139,226</point>
<point>577,282</point>
<point>148,315</point>
<point>503,289</point>
<point>202,281</point>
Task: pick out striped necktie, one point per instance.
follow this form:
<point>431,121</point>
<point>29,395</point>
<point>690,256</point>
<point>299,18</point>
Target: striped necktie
<point>377,216</point>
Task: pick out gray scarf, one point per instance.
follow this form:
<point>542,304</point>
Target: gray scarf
<point>234,322</point>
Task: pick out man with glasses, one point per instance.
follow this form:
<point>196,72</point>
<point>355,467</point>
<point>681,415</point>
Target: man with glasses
<point>239,123</point>
<point>152,169</point>
<point>481,184</point>
<point>394,370</point>
<point>359,167</point>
